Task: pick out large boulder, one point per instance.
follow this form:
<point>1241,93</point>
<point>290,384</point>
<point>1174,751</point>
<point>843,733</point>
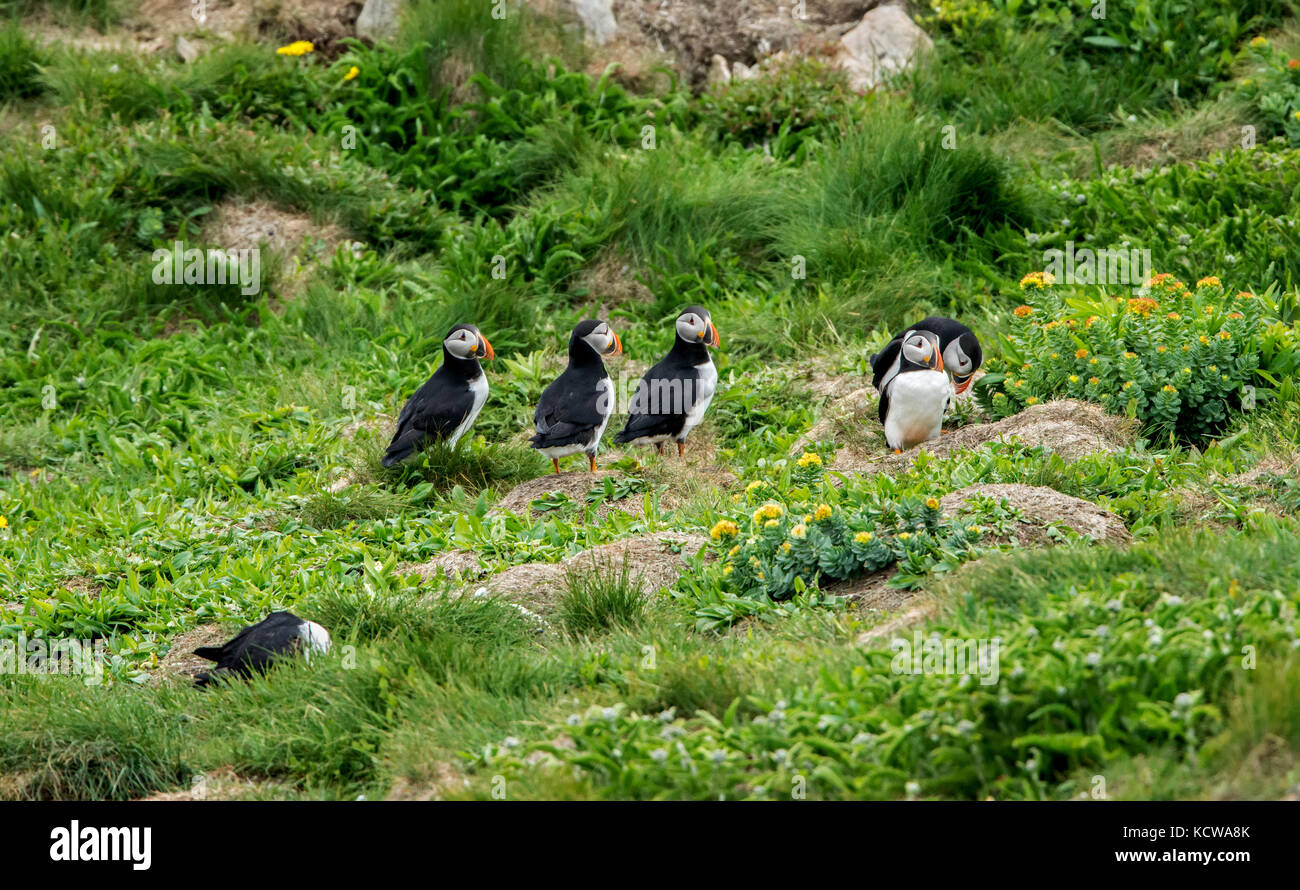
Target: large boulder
<point>885,43</point>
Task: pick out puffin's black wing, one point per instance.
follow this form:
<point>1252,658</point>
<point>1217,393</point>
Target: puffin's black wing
<point>254,647</point>
<point>569,410</point>
<point>881,364</point>
<point>660,405</point>
<point>434,412</point>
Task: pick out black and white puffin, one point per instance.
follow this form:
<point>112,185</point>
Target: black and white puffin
<point>449,402</point>
<point>574,410</point>
<point>672,397</point>
<point>958,345</point>
<point>914,390</point>
<point>255,648</point>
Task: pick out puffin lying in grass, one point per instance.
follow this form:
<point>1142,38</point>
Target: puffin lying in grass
<point>255,648</point>
<point>574,410</point>
<point>914,390</point>
<point>672,397</point>
<point>449,402</point>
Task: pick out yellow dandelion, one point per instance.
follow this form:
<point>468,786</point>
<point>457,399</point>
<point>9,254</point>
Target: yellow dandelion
<point>352,72</point>
<point>297,48</point>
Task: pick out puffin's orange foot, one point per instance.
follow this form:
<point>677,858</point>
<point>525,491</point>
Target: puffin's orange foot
<point>681,449</point>
<point>555,461</point>
<point>592,458</point>
<point>944,432</point>
<point>898,451</point>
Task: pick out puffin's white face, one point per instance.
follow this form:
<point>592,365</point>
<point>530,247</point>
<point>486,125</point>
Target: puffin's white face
<point>694,327</point>
<point>467,344</point>
<point>922,348</point>
<point>957,361</point>
<point>603,339</point>
<point>462,343</point>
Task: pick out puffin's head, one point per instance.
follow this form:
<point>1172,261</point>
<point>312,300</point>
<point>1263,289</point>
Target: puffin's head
<point>599,336</point>
<point>695,326</point>
<point>464,341</point>
<point>921,350</point>
<point>962,358</point>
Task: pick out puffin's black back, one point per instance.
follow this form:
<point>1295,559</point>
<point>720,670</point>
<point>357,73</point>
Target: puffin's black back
<point>569,409</point>
<point>438,407</point>
<point>254,647</point>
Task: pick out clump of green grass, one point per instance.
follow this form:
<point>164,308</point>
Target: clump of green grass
<point>472,465</point>
<point>600,598</point>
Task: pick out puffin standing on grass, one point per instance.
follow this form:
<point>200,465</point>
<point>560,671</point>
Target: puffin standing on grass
<point>914,390</point>
<point>958,345</point>
<point>574,410</point>
<point>672,397</point>
<point>255,648</point>
<point>449,402</point>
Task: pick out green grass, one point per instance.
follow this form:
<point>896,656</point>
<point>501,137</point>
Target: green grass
<point>167,453</point>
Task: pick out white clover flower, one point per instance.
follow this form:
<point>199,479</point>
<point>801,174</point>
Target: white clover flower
<point>1065,223</point>
<point>1031,764</point>
<point>1060,690</point>
<point>780,755</point>
<point>1149,623</point>
<point>965,726</point>
<point>1207,634</point>
<point>659,755</point>
<point>668,716</point>
<point>718,756</point>
<point>1184,700</point>
<point>668,733</point>
<point>1184,239</point>
<point>609,713</point>
<point>573,720</point>
<point>1031,631</point>
<point>1031,237</point>
<point>1229,258</point>
<point>862,738</point>
<point>1004,699</point>
<point>776,716</point>
<point>1017,672</point>
<point>826,722</point>
<point>1059,645</point>
<point>1102,630</point>
<point>510,742</point>
<point>1174,600</point>
<point>1092,659</point>
<point>1080,199</point>
<point>913,789</point>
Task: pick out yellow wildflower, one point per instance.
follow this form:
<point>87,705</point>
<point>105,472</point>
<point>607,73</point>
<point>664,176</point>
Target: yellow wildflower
<point>1224,335</point>
<point>799,531</point>
<point>1168,388</point>
<point>352,72</point>
<point>1173,316</point>
<point>1094,380</point>
<point>863,537</point>
<point>723,528</point>
<point>932,503</point>
<point>771,523</point>
<point>810,459</point>
<point>297,48</point>
<point>823,512</point>
<point>1209,281</point>
<point>1022,311</point>
<point>1032,400</point>
<point>1081,353</point>
<point>4,522</point>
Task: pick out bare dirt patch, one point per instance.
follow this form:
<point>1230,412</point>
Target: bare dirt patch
<point>461,564</point>
<point>654,561</point>
<point>1043,507</point>
<point>222,783</point>
<point>180,663</point>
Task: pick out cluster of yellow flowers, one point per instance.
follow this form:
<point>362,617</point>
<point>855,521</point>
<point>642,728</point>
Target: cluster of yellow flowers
<point>823,512</point>
<point>810,459</point>
<point>1022,311</point>
<point>1038,280</point>
<point>725,528</point>
<point>1209,281</point>
<point>1142,306</point>
<point>769,511</point>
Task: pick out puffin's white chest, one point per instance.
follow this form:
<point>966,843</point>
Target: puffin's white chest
<point>706,384</point>
<point>917,401</point>
<point>478,387</point>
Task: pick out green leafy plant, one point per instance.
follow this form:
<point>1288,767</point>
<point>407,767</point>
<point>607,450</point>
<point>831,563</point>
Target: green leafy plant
<point>1180,360</point>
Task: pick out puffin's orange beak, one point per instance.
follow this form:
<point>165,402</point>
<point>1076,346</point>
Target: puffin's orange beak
<point>485,348</point>
<point>617,347</point>
<point>715,341</point>
<point>938,360</point>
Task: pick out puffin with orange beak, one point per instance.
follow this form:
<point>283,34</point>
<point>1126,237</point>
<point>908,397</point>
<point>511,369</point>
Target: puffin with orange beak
<point>914,389</point>
<point>958,344</point>
<point>574,410</point>
<point>672,397</point>
<point>449,402</point>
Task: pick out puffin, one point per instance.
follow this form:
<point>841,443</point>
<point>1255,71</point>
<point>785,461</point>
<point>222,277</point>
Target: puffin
<point>914,389</point>
<point>574,410</point>
<point>958,344</point>
<point>255,648</point>
<point>672,397</point>
<point>447,405</point>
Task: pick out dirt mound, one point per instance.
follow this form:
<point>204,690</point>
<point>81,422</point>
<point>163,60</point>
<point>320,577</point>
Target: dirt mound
<point>180,662</point>
<point>676,481</point>
<point>463,564</point>
<point>1043,507</point>
<point>1069,427</point>
<point>654,562</point>
<point>238,223</point>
